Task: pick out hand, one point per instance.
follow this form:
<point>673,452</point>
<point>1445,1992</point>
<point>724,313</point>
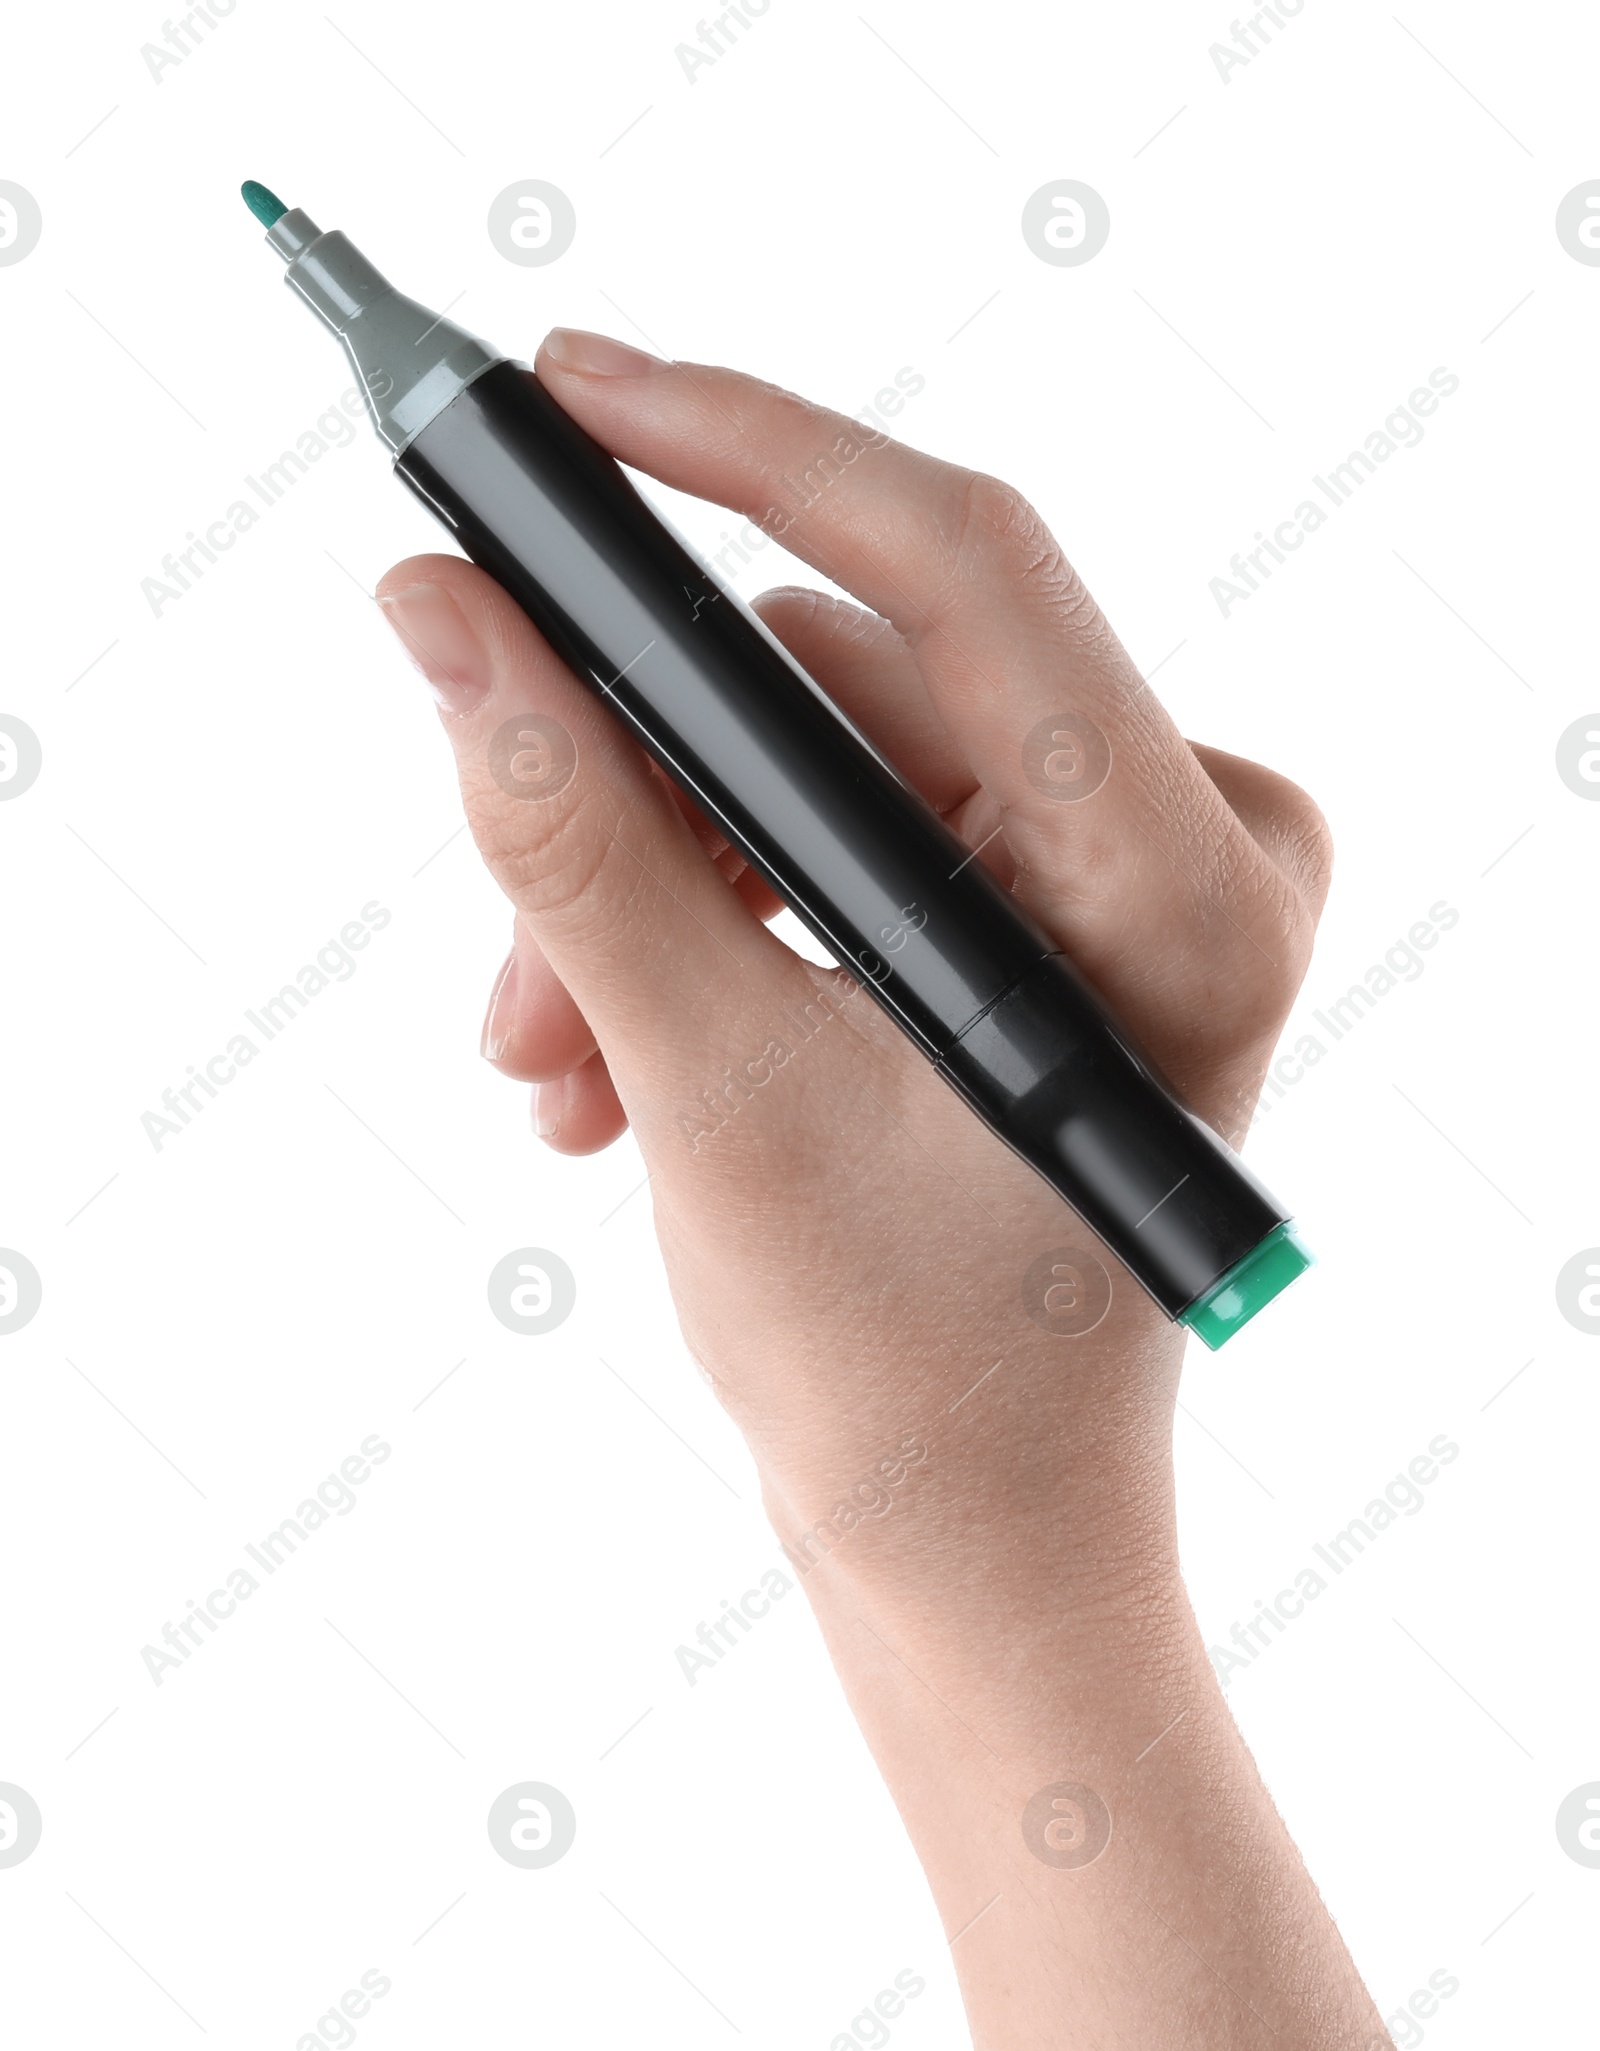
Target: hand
<point>846,1243</point>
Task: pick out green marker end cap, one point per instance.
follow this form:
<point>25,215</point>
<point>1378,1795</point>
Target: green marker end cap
<point>1248,1286</point>
<point>263,203</point>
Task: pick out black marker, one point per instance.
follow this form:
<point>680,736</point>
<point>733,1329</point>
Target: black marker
<point>982,990</point>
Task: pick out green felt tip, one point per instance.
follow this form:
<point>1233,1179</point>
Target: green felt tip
<point>1248,1286</point>
<point>265,205</point>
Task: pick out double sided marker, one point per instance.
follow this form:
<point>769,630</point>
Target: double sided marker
<point>709,691</point>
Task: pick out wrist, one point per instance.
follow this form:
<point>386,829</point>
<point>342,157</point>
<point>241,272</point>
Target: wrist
<point>1042,1508</point>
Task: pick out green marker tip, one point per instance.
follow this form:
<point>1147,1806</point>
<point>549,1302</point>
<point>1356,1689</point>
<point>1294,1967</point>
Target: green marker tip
<point>264,204</point>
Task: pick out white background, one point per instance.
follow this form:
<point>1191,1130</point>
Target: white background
<point>230,782</point>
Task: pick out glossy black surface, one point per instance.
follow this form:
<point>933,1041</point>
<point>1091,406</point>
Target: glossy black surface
<point>722,705</point>
<point>850,847</point>
<point>1051,1072</point>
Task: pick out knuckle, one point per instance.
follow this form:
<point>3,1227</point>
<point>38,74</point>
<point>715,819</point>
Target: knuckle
<point>995,520</point>
<point>819,448</point>
<point>547,858</point>
<point>1281,930</point>
<point>1290,825</point>
<point>1254,930</point>
<point>1000,534</point>
<point>1311,839</point>
<point>790,609</point>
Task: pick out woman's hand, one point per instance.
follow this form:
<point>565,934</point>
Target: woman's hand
<point>982,1508</point>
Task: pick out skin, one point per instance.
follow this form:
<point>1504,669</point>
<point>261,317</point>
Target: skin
<point>846,1249</point>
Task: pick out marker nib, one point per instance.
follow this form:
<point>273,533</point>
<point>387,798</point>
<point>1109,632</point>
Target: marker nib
<point>264,204</point>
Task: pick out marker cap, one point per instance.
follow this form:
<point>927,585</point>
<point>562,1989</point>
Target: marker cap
<point>1248,1286</point>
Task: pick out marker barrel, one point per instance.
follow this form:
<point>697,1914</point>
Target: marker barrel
<point>713,696</point>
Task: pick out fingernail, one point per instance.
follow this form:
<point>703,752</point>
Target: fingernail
<point>598,355</point>
<point>502,1009</point>
<point>547,1101</point>
<point>434,632</point>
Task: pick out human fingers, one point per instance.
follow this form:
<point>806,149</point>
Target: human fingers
<point>580,1112</point>
<point>533,1030</point>
<point>1126,848</point>
<point>658,954</point>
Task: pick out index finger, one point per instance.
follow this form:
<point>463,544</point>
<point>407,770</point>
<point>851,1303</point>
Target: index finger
<point>1004,632</point>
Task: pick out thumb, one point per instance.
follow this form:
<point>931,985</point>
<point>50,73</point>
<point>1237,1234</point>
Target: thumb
<point>580,830</point>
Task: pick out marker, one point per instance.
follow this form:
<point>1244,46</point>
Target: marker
<point>981,989</point>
